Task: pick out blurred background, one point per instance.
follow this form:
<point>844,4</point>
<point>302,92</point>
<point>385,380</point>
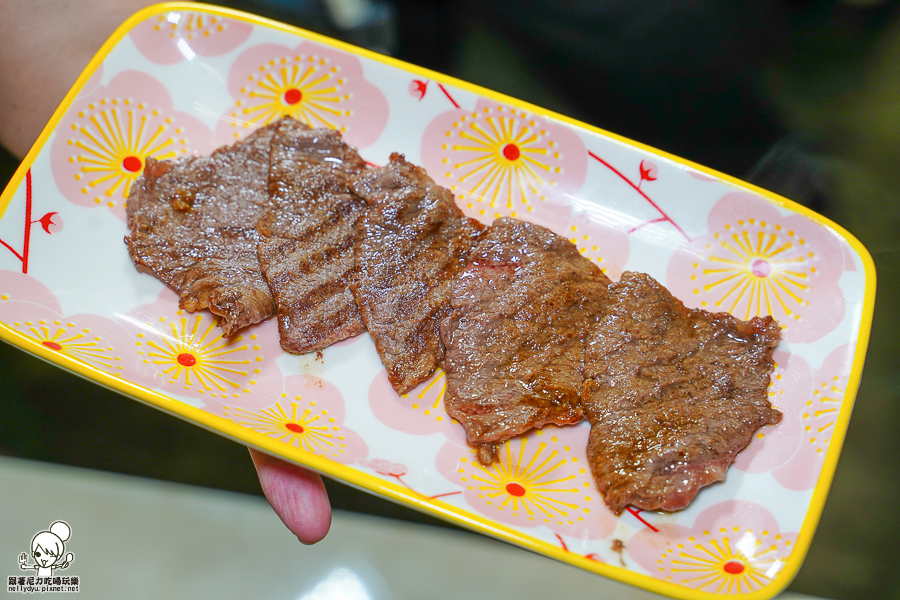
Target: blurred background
<point>799,97</point>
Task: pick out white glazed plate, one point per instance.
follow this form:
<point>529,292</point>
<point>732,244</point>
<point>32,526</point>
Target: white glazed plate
<point>182,79</point>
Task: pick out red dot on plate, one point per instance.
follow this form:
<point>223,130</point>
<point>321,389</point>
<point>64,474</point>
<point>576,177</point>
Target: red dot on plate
<point>295,427</point>
<point>293,96</point>
<point>735,567</point>
<point>132,164</point>
<point>52,345</point>
<point>186,360</point>
<point>515,489</point>
<point>511,151</point>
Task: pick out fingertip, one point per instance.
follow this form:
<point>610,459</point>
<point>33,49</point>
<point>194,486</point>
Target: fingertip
<point>297,496</point>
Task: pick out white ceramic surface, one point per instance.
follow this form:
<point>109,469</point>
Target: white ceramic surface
<point>178,80</point>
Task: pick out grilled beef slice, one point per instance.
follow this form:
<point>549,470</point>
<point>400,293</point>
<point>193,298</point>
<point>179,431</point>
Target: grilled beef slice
<point>515,339</point>
<point>672,394</point>
<point>306,236</point>
<point>193,226</point>
<point>410,246</point>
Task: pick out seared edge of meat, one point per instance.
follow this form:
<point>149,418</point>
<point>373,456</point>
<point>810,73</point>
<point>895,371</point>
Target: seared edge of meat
<point>672,394</point>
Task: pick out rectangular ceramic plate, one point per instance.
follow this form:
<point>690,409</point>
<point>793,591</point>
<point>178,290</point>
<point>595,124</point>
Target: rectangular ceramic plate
<point>181,79</point>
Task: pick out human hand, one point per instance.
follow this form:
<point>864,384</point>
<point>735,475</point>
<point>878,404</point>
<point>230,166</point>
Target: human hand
<point>46,44</point>
<point>298,496</point>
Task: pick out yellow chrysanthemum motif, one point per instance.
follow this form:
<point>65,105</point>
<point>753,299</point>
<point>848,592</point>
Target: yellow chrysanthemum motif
<point>499,156</point>
<point>587,247</point>
<point>189,25</point>
<point>776,398</point>
<point>822,412</point>
<point>111,143</point>
<point>757,269</point>
<point>76,343</point>
<point>311,430</point>
<point>305,87</point>
<point>530,481</point>
<point>434,389</point>
<point>717,564</point>
<point>193,354</point>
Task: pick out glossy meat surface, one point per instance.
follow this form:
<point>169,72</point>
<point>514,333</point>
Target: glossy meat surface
<point>306,236</point>
<point>672,394</point>
<point>193,226</point>
<point>515,338</point>
<point>410,246</point>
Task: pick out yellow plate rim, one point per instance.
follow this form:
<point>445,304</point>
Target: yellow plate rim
<point>398,493</point>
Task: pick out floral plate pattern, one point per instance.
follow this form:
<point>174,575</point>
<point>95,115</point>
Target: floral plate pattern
<point>181,79</point>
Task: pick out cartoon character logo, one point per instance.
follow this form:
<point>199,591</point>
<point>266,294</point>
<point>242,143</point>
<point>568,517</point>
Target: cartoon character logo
<point>47,550</point>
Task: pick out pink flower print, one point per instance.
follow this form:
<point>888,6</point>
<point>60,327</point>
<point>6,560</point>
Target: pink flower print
<point>385,467</point>
<point>788,392</point>
<point>104,139</point>
<point>314,84</point>
<point>174,36</point>
<point>92,83</point>
<point>849,263</point>
<point>817,420</point>
<point>417,88</point>
<point>421,411</point>
<point>757,262</point>
<point>702,176</point>
<point>649,171</point>
<point>607,247</point>
<point>501,160</point>
<point>537,480</point>
<point>310,416</point>
<point>734,547</point>
<point>95,341</point>
<point>16,286</point>
<point>397,472</point>
<point>51,222</point>
<point>188,356</point>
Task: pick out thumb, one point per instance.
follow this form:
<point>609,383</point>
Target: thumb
<point>298,496</point>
